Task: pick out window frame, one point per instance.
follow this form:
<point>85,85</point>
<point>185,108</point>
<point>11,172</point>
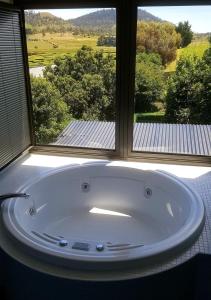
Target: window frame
<point>159,156</point>
<point>71,149</point>
<point>126,24</point>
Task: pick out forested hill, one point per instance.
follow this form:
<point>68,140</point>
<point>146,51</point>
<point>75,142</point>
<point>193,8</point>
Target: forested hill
<point>101,21</point>
<point>146,16</point>
<point>105,20</point>
<point>101,17</point>
<point>45,22</point>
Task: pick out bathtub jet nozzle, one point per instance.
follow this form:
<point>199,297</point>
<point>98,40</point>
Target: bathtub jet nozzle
<point>32,210</point>
<point>85,187</point>
<point>147,192</point>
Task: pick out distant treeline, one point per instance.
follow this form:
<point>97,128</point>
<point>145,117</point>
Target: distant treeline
<point>201,36</point>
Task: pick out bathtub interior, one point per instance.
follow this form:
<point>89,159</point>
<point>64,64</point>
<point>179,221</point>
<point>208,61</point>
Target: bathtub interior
<point>104,204</point>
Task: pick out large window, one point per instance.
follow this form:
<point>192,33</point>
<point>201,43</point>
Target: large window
<point>82,64</point>
<point>172,107</point>
<point>72,61</point>
<point>82,87</point>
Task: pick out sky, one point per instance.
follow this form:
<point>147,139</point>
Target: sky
<point>67,14</point>
<point>198,16</point>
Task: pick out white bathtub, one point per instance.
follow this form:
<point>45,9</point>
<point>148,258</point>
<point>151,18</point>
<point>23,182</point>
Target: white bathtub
<point>103,217</point>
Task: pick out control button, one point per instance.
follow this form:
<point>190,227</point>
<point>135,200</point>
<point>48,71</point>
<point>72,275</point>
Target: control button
<point>81,246</point>
<point>99,247</point>
<point>63,243</point>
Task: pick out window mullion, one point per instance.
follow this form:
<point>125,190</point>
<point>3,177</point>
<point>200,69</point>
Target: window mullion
<point>127,20</point>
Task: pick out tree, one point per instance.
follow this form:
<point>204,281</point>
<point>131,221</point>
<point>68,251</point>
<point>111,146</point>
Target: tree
<point>149,85</point>
<point>184,29</point>
<point>106,40</point>
<point>87,83</point>
<point>49,110</point>
<point>207,53</point>
<point>157,37</point>
<point>188,97</point>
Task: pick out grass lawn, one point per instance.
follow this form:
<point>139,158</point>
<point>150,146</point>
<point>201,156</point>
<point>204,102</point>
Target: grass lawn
<point>151,117</point>
<point>43,50</point>
<point>195,48</point>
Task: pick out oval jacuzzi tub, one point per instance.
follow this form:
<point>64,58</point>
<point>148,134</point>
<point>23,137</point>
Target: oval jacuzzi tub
<point>106,217</point>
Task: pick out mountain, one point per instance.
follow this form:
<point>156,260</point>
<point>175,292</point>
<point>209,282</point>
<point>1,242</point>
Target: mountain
<point>143,15</point>
<point>105,20</point>
<point>99,22</point>
<point>108,17</point>
<point>100,17</point>
<point>45,22</point>
<point>42,18</point>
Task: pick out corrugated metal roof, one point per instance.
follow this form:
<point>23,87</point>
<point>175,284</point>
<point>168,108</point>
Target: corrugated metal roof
<point>150,137</point>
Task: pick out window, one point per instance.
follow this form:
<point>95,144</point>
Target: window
<point>72,61</point>
<point>82,64</point>
<point>172,106</point>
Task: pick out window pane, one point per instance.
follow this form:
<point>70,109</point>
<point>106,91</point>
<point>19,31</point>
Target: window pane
<point>72,60</point>
<point>172,107</point>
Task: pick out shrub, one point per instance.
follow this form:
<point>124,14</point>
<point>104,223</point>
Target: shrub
<point>188,97</point>
<point>150,83</point>
<point>157,37</point>
<point>49,110</point>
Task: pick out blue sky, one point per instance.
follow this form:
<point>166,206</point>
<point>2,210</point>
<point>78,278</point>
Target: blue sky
<point>198,16</point>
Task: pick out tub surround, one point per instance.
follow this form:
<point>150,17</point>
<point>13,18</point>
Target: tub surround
<point>33,166</point>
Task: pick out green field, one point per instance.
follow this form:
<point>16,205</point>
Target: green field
<point>195,48</point>
<point>43,50</point>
